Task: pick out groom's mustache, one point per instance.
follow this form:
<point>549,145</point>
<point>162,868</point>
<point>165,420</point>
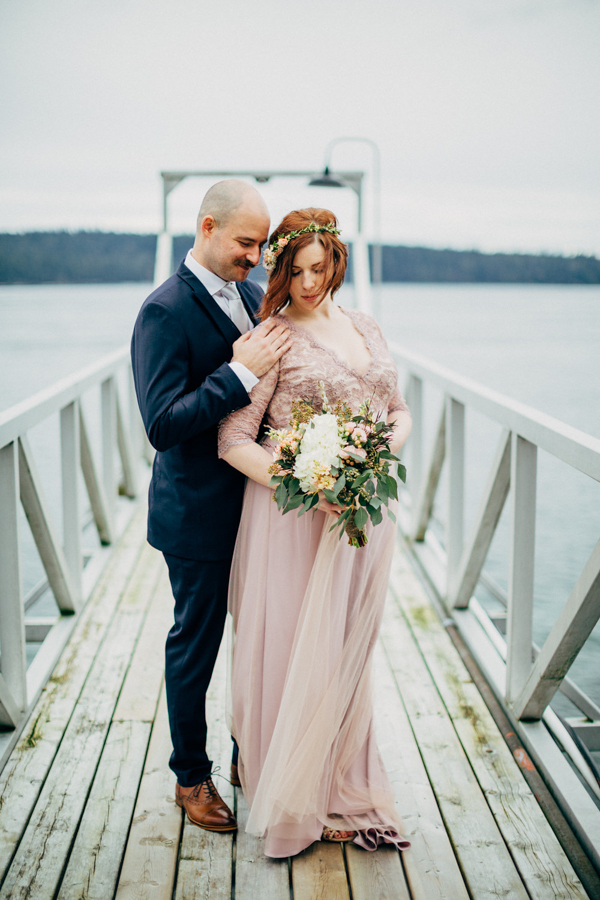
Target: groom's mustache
<point>244,264</point>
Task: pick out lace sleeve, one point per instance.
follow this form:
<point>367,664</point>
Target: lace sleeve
<point>241,426</point>
<point>374,334</point>
<point>397,403</point>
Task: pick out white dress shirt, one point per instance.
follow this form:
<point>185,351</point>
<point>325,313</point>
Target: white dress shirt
<point>213,284</point>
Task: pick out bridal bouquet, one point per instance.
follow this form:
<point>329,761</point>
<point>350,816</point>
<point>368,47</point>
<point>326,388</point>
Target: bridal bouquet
<point>345,457</point>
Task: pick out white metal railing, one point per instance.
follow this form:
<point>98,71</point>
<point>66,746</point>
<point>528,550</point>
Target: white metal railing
<point>524,676</point>
<point>122,445</point>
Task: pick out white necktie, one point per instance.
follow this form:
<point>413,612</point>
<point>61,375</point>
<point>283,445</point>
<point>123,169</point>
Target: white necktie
<point>237,311</point>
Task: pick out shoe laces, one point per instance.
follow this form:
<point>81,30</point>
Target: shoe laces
<point>208,787</point>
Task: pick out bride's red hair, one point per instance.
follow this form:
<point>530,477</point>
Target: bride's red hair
<point>334,262</point>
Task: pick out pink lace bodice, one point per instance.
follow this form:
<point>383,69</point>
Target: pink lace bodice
<point>297,375</point>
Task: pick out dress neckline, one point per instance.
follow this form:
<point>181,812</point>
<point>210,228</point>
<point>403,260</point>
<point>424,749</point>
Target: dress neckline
<point>316,343</point>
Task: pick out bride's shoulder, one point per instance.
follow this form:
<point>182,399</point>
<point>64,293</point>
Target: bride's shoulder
<point>363,319</point>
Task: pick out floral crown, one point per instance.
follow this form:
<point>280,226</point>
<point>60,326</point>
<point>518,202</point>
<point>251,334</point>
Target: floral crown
<point>282,240</point>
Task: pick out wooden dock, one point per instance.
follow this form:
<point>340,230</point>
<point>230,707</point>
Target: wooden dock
<point>87,799</point>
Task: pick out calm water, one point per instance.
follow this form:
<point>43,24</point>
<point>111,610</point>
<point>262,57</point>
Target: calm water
<point>538,344</point>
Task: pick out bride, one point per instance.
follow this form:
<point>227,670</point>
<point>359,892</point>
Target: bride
<point>307,606</point>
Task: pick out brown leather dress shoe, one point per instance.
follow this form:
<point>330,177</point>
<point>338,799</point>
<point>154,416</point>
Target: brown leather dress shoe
<point>234,778</point>
<point>204,806</point>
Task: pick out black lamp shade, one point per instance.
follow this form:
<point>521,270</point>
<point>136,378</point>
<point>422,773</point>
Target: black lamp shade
<point>327,180</point>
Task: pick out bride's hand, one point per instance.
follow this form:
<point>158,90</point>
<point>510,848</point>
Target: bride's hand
<point>330,508</point>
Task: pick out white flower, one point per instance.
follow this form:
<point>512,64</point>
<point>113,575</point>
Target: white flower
<point>319,450</point>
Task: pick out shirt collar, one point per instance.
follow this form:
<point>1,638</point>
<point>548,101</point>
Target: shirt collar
<point>213,283</point>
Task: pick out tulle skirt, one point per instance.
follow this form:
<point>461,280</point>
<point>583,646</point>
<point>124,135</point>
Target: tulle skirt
<point>306,611</point>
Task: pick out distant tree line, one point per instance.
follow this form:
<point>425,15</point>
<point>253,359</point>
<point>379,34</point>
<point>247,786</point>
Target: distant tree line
<point>86,257</point>
<point>424,264</point>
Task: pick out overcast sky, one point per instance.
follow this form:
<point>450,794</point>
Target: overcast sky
<point>486,112</point>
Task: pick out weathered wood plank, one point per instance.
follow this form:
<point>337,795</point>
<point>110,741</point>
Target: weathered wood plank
<point>142,684</point>
<point>24,774</point>
<point>319,873</point>
<point>430,865</point>
<point>537,853</point>
<point>255,874</point>
<point>148,871</point>
<point>41,856</point>
<point>205,867</point>
<point>96,857</point>
<point>209,881</point>
<point>376,875</point>
<point>486,864</point>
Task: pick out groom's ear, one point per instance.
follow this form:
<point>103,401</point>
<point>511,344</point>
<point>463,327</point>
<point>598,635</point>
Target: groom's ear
<point>208,225</point>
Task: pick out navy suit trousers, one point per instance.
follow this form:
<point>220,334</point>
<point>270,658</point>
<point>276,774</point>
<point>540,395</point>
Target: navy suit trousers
<point>200,592</point>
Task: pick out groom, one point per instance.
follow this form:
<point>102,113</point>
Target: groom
<point>196,357</point>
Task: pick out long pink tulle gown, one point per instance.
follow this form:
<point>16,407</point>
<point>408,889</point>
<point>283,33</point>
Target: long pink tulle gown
<point>306,611</point>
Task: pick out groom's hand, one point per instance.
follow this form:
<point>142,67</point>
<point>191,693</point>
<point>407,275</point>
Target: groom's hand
<point>260,349</point>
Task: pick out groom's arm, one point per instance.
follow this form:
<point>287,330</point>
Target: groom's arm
<point>160,358</point>
<point>160,355</point>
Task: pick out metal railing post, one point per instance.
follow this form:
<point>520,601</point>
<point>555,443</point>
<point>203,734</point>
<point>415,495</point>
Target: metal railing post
<point>109,440</point>
<point>519,636</point>
<point>455,431</point>
<point>13,663</point>
<point>70,457</point>
<point>415,472</point>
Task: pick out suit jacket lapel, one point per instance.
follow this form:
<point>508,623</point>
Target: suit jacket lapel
<point>248,301</point>
<point>201,295</point>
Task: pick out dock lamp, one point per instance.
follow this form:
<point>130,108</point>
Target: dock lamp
<point>170,180</point>
<point>330,179</point>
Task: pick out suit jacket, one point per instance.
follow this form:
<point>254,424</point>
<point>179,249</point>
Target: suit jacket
<point>182,342</point>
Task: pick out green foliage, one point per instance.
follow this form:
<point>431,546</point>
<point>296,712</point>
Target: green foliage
<point>82,257</point>
<point>427,265</point>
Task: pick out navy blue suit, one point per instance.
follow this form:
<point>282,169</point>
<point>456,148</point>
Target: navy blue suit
<point>182,342</point>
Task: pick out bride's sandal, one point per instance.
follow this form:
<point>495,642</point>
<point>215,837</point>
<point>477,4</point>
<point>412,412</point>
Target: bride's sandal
<point>336,836</point>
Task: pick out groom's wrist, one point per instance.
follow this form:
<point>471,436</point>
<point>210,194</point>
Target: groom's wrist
<point>247,377</point>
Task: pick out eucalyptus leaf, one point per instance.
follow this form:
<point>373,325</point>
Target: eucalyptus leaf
<point>340,483</point>
<point>293,503</point>
<point>393,486</point>
<point>281,495</point>
<point>360,518</point>
<point>293,486</point>
<point>376,515</point>
<point>382,489</point>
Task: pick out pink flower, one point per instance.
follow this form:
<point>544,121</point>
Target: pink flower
<point>349,427</point>
<point>358,451</point>
<point>360,435</point>
<point>282,242</point>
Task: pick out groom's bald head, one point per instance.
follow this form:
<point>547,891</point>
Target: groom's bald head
<point>233,224</point>
<point>225,198</point>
